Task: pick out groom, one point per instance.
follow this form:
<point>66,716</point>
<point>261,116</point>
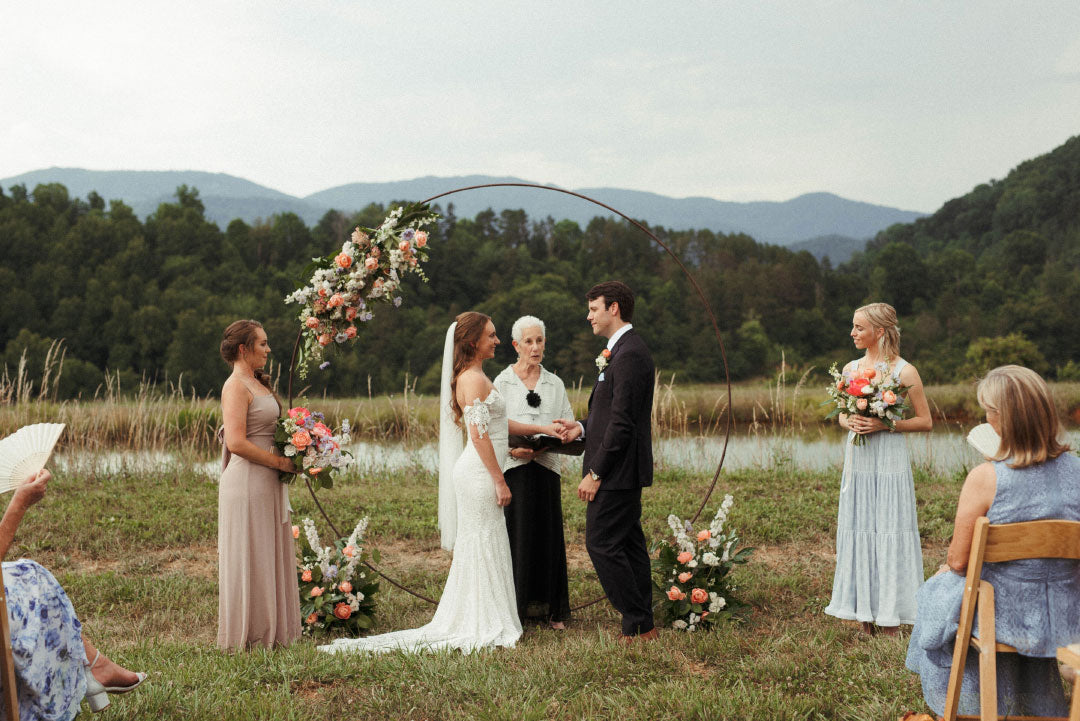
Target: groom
<point>618,459</point>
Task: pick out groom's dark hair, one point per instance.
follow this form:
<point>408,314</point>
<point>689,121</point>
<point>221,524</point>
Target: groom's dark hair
<point>614,291</point>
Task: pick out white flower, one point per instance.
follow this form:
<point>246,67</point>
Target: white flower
<point>691,627</point>
<point>692,563</point>
<point>290,450</point>
<point>717,604</point>
<point>710,559</point>
<point>679,624</point>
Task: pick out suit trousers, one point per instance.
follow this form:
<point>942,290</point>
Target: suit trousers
<point>616,545</point>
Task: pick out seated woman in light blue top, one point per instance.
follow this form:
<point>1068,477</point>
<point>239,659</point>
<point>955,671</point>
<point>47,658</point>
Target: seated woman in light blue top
<point>534,520</point>
<point>1037,601</point>
<point>52,671</point>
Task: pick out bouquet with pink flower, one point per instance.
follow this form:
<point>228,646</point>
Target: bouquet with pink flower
<point>690,572</point>
<point>872,392</point>
<point>314,448</point>
<point>337,589</point>
<point>344,286</point>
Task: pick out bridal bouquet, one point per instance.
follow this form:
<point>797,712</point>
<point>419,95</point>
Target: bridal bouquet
<point>337,590</point>
<point>344,287</point>
<point>873,392</point>
<point>691,572</point>
<point>315,451</point>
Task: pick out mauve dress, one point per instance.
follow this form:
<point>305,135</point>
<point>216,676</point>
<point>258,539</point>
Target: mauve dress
<point>258,593</point>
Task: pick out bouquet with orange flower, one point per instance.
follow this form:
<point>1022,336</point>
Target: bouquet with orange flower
<point>315,450</point>
<point>872,392</point>
<point>690,572</point>
<point>337,589</point>
<point>343,287</point>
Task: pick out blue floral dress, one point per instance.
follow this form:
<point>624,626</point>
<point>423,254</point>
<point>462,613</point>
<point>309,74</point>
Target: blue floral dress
<point>46,641</point>
<point>1036,603</point>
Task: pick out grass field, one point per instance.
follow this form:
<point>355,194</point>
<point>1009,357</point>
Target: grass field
<point>137,555</point>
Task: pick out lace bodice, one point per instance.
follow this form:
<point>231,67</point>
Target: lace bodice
<point>489,418</point>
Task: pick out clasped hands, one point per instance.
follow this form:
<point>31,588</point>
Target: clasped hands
<point>865,424</point>
<point>590,484</point>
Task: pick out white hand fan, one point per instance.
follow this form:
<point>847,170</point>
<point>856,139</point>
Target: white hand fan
<point>984,439</point>
<point>26,451</point>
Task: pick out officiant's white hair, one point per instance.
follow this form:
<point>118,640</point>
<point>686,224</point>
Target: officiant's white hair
<point>527,321</point>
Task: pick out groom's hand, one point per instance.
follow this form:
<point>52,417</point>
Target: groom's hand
<point>570,429</point>
<point>586,490</point>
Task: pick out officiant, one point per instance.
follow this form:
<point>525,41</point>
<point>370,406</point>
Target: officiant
<point>534,517</point>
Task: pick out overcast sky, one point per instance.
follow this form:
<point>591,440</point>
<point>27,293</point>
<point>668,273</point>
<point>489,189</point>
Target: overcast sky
<point>905,104</point>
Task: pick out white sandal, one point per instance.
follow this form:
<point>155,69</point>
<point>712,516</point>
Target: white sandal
<point>96,695</point>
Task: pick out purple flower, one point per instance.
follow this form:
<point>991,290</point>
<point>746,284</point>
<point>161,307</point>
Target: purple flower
<point>397,301</point>
<point>408,234</point>
<point>324,365</point>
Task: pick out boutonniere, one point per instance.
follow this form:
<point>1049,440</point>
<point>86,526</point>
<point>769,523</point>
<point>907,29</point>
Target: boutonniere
<point>602,359</point>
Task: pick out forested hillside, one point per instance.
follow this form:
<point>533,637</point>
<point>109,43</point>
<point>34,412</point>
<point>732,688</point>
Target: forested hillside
<point>992,276</point>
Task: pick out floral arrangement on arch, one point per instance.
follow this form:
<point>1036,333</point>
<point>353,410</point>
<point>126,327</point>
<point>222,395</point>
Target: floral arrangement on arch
<point>872,392</point>
<point>337,590</point>
<point>344,287</point>
<point>691,572</point>
<point>303,437</point>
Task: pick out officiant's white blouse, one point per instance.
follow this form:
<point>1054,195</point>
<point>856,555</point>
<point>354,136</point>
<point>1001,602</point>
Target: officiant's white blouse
<point>554,403</point>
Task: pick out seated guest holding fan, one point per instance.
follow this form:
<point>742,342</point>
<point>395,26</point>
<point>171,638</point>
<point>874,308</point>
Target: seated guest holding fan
<point>1037,601</point>
<point>55,664</point>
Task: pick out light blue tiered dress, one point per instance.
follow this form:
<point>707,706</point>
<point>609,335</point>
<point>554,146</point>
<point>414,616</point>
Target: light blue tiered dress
<point>1036,603</point>
<point>878,553</point>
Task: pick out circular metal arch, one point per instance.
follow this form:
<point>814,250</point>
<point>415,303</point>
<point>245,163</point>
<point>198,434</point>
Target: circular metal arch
<point>689,277</point>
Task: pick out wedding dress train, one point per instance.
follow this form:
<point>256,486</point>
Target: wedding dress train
<point>478,607</point>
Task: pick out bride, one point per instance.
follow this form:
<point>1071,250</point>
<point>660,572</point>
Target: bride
<point>478,606</point>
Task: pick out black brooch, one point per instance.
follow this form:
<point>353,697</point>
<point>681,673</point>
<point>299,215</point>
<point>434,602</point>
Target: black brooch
<point>533,399</point>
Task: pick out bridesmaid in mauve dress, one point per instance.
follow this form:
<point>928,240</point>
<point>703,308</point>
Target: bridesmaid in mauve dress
<point>258,594</point>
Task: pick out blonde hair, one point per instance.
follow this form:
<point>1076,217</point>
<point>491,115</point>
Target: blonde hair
<point>1030,427</point>
<point>883,315</point>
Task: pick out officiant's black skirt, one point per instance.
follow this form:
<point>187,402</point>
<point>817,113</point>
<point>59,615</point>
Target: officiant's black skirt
<point>535,525</point>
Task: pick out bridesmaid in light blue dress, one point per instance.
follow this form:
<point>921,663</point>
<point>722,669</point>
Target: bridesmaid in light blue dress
<point>878,552</point>
<point>1036,601</point>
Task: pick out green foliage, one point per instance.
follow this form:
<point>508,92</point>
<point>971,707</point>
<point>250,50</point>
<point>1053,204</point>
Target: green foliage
<point>149,299</point>
<point>986,353</point>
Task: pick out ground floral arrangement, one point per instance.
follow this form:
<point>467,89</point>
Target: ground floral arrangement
<point>337,589</point>
<point>343,288</point>
<point>314,448</point>
<point>691,572</point>
<point>872,392</point>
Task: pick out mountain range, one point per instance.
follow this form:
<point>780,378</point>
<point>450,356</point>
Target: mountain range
<point>822,223</point>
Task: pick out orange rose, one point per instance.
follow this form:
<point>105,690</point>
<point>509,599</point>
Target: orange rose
<point>301,439</point>
<point>296,531</point>
<point>322,292</point>
<point>306,576</point>
<point>350,332</point>
<point>889,397</point>
<point>840,384</point>
<point>606,352</point>
<point>335,301</point>
<point>342,611</point>
<point>325,339</point>
<point>370,262</point>
<point>685,576</point>
<point>315,471</point>
<point>321,429</point>
<point>345,587</point>
<point>699,595</point>
<point>344,260</point>
<point>861,404</point>
<point>675,594</point>
<point>421,239</point>
<point>685,557</point>
<point>350,313</point>
<point>312,618</point>
<point>404,246</point>
<point>312,322</point>
<point>316,592</point>
<point>349,551</point>
<point>704,535</point>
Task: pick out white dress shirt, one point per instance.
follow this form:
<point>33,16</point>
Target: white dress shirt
<point>554,403</point>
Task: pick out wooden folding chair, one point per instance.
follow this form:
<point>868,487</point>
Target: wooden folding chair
<point>995,544</point>
<point>7,663</point>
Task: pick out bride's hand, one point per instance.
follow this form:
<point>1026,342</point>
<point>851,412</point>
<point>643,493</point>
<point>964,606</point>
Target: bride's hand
<point>502,493</point>
<point>285,465</point>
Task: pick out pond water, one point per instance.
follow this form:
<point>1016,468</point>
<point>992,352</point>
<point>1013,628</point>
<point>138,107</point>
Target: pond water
<point>943,451</point>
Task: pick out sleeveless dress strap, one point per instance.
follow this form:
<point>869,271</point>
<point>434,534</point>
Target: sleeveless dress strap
<point>900,363</point>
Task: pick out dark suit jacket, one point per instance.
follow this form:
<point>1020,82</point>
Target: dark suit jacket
<point>618,429</point>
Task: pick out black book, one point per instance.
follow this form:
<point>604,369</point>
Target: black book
<point>543,442</point>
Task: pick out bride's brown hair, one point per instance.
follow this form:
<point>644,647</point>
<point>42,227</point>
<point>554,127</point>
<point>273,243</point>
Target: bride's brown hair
<point>467,334</point>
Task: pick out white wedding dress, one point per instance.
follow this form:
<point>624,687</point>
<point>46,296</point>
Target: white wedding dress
<point>478,607</point>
